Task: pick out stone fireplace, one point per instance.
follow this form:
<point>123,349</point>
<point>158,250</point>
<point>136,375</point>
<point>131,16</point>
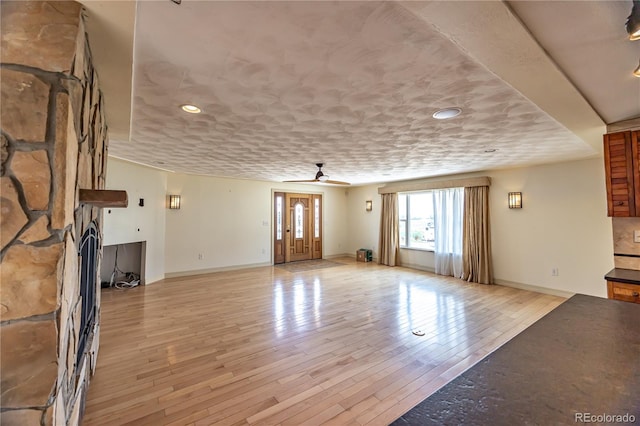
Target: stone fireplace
<point>54,144</point>
<point>89,251</point>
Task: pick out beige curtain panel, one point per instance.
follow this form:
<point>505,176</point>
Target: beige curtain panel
<point>389,233</point>
<point>476,244</point>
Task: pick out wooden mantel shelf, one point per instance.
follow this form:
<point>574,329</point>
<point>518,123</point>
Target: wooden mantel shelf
<point>104,198</point>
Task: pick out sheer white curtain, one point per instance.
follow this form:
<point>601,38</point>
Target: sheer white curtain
<point>447,215</point>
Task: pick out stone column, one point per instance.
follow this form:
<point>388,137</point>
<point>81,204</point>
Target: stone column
<point>53,142</point>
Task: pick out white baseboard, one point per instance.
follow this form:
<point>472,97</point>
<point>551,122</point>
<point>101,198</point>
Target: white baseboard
<point>212,270</point>
<point>537,289</point>
<point>521,286</point>
<point>152,280</point>
<point>236,267</point>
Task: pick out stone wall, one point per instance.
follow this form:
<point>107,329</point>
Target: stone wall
<point>53,142</point>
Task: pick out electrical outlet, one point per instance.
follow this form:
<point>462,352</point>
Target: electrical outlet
<point>636,236</point>
<point>200,256</point>
<point>263,251</point>
<point>555,272</point>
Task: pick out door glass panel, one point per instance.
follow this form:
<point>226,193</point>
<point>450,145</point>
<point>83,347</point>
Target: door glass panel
<point>316,217</point>
<point>298,220</point>
<point>278,218</point>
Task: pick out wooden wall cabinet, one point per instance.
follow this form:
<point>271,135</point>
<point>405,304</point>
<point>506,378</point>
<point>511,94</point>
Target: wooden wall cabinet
<point>622,168</point>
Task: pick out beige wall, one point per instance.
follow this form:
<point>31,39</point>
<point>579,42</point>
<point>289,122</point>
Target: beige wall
<point>136,223</point>
<point>363,225</point>
<point>229,222</point>
<point>563,225</point>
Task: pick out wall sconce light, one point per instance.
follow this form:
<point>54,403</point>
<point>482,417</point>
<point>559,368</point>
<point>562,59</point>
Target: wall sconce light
<point>174,201</point>
<point>368,205</point>
<point>515,200</point>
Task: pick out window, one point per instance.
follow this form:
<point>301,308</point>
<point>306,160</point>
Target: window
<point>316,217</point>
<point>299,213</point>
<point>416,224</point>
<point>279,217</point>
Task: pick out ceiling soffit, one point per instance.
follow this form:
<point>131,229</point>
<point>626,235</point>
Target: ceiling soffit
<point>110,26</point>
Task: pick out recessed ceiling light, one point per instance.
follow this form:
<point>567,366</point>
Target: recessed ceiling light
<point>191,109</point>
<point>445,113</point>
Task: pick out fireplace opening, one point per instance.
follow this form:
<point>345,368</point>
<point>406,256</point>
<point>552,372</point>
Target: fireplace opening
<point>122,265</point>
<point>88,275</point>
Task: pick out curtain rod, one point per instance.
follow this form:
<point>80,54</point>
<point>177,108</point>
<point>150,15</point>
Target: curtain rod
<point>435,184</point>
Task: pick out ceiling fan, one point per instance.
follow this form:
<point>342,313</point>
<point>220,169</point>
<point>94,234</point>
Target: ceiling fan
<point>320,177</point>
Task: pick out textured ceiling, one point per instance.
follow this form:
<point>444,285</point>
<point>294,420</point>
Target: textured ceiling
<point>284,85</point>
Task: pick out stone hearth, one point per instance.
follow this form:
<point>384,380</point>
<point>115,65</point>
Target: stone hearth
<point>53,143</point>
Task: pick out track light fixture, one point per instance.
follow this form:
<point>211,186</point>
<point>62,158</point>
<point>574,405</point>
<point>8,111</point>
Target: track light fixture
<point>633,21</point>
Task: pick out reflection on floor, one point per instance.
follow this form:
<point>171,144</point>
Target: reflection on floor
<point>581,359</point>
<point>308,265</point>
<point>268,346</point>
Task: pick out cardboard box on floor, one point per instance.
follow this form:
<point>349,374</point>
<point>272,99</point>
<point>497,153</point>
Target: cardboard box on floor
<point>364,255</point>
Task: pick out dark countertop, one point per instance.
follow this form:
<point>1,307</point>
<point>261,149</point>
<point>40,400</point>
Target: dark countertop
<point>582,357</point>
<point>629,276</point>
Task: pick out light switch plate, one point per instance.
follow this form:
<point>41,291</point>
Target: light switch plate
<point>636,236</point>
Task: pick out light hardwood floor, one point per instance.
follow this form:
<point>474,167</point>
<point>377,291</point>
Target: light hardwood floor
<point>266,346</point>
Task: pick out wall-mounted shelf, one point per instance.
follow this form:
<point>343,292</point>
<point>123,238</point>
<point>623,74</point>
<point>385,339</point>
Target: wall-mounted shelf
<point>104,198</point>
